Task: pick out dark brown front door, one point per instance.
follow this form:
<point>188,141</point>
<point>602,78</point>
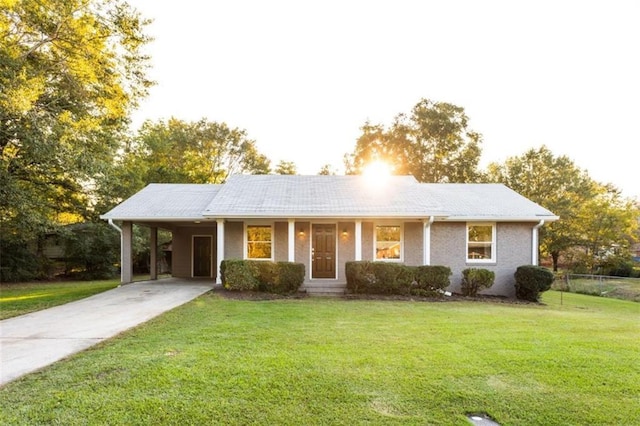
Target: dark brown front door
<point>323,251</point>
<point>202,256</point>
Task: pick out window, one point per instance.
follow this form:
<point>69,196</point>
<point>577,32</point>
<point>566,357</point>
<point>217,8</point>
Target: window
<point>259,238</point>
<point>481,242</point>
<point>388,242</point>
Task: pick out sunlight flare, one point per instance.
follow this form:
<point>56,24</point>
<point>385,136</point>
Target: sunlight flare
<point>377,172</point>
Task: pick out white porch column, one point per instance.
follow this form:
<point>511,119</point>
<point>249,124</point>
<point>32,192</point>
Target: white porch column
<point>219,248</point>
<point>358,240</point>
<point>153,258</point>
<point>426,240</point>
<point>126,262</point>
<point>291,250</point>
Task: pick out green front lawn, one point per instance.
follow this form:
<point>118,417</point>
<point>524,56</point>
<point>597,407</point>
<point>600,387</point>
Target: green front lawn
<point>22,298</point>
<point>332,361</point>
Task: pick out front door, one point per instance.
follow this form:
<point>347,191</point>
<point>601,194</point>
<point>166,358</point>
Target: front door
<point>323,251</point>
<point>202,256</point>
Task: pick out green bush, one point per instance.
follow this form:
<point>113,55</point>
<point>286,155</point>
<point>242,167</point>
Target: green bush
<point>239,276</point>
<point>475,280</point>
<point>430,280</point>
<point>360,276</point>
<point>251,275</point>
<point>265,272</point>
<point>290,277</point>
<point>366,277</point>
<point>532,280</point>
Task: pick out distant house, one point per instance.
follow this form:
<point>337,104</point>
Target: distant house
<point>325,221</point>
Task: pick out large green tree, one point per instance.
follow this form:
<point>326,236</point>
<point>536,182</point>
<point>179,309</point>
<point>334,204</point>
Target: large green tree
<point>606,226</point>
<point>177,151</point>
<point>433,143</point>
<point>584,206</point>
<point>70,73</point>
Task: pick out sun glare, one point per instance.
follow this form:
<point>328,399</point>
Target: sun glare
<point>377,172</point>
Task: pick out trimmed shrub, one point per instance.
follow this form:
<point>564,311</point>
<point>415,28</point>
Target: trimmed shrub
<point>289,278</point>
<point>360,276</point>
<point>532,280</point>
<point>239,276</point>
<point>265,272</point>
<point>366,277</point>
<point>475,280</point>
<point>252,275</point>
<point>391,278</point>
<point>430,280</point>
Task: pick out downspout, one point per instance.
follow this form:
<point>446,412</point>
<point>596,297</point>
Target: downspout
<point>117,228</point>
<point>534,243</point>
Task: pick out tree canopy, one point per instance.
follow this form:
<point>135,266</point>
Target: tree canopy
<point>71,71</point>
<point>593,216</point>
<point>176,151</point>
<point>433,143</point>
<point>286,168</point>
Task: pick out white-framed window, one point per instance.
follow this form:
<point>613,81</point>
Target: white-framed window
<point>481,242</point>
<point>387,242</point>
<point>258,242</point>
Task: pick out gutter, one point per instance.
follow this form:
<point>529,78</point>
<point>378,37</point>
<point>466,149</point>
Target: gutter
<point>117,228</point>
<point>534,243</point>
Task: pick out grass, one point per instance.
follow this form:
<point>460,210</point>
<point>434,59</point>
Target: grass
<point>619,288</point>
<point>331,361</point>
<point>22,298</point>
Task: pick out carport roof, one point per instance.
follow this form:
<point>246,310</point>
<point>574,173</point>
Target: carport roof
<point>165,201</point>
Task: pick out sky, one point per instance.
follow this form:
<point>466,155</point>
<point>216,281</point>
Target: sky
<point>302,77</point>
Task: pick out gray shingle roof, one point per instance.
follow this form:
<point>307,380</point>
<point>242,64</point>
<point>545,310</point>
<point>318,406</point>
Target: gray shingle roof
<point>484,201</point>
<point>276,196</point>
<point>159,201</point>
<point>320,196</point>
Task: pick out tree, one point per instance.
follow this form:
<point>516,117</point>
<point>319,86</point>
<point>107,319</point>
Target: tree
<point>327,170</point>
<point>71,71</point>
<point>175,151</point>
<point>286,168</point>
<point>607,226</point>
<point>432,143</point>
<point>557,184</point>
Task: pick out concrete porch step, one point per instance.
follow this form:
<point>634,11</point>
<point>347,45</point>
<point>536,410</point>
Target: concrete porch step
<point>327,288</point>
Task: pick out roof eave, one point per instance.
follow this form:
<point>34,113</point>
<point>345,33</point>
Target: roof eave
<point>155,219</point>
<point>500,218</point>
<point>299,215</point>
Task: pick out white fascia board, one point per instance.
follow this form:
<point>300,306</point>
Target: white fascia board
<point>158,219</point>
<point>498,218</point>
<point>322,216</point>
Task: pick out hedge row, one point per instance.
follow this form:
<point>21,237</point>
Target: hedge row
<point>258,275</point>
<point>366,277</point>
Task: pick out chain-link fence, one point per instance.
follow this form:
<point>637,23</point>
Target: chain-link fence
<point>599,285</point>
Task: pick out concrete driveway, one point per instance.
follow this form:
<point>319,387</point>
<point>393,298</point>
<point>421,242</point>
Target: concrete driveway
<point>32,341</point>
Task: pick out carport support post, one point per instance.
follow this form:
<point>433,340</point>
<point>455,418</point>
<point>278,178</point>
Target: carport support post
<point>219,248</point>
<point>153,257</point>
<point>126,261</point>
